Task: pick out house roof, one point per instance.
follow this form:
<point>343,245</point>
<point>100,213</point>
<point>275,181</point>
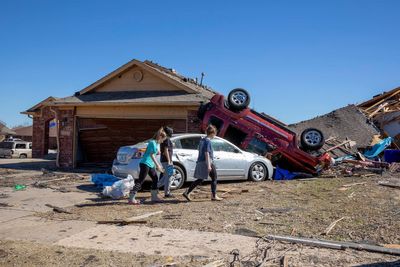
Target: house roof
<point>387,102</point>
<point>182,82</point>
<point>379,98</point>
<point>28,130</point>
<point>189,92</point>
<point>137,97</point>
<point>4,130</point>
<point>40,104</point>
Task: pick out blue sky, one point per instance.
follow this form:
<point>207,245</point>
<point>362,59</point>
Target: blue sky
<point>298,59</point>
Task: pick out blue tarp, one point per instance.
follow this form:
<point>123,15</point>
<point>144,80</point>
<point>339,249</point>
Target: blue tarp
<point>392,155</point>
<point>102,180</point>
<point>282,174</point>
<point>378,148</point>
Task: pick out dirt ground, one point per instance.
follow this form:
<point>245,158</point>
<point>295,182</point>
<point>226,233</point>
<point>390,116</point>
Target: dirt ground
<point>302,208</point>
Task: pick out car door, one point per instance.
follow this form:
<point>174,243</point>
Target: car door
<point>229,160</point>
<point>186,152</point>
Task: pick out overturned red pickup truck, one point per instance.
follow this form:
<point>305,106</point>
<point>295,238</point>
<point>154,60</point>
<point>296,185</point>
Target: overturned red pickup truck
<point>262,134</point>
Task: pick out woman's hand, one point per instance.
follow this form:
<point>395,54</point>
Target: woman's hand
<point>160,169</point>
<point>209,168</point>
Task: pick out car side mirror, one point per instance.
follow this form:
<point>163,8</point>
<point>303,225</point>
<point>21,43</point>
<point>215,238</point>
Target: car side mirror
<point>236,150</point>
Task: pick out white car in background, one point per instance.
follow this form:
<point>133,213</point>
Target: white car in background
<point>16,149</point>
<point>231,162</point>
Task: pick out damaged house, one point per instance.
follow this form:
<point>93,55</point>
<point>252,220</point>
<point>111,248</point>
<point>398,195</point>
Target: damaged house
<point>384,111</point>
<point>124,107</point>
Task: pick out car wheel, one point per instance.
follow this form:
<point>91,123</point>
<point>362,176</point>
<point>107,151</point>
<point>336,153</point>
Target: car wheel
<point>312,139</point>
<point>178,178</point>
<point>258,172</point>
<point>238,99</point>
<point>22,156</point>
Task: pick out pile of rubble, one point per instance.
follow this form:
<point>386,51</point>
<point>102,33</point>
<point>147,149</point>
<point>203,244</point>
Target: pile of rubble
<point>384,111</point>
<point>362,140</point>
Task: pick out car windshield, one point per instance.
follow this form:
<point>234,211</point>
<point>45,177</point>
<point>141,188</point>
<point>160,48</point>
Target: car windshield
<point>6,145</point>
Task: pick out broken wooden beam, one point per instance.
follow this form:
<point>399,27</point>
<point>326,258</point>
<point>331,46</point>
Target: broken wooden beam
<point>144,216</point>
<point>58,209</point>
<point>339,145</point>
<point>389,184</point>
<point>122,222</point>
<point>132,220</point>
<point>335,244</point>
<point>331,226</point>
<point>306,241</point>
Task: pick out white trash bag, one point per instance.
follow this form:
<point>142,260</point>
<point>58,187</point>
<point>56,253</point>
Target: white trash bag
<point>119,189</point>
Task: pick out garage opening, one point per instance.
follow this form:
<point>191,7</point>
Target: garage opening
<point>99,139</point>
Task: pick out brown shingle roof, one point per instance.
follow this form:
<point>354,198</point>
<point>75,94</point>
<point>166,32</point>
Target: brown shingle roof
<point>171,73</point>
<point>4,130</point>
<point>28,130</point>
<point>136,97</point>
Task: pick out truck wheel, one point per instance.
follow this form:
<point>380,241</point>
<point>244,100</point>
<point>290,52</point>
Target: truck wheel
<point>312,139</point>
<point>258,172</point>
<point>23,156</point>
<point>238,99</point>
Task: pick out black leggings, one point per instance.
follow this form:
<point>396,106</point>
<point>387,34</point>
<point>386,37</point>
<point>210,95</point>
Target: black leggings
<point>144,171</point>
<point>213,176</point>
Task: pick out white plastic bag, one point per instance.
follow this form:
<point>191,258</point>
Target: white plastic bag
<point>119,189</point>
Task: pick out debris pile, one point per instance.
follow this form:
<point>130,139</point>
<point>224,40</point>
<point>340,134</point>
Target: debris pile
<point>347,123</point>
<point>384,111</point>
<point>357,145</point>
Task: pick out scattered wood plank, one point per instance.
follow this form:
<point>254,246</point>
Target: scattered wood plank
<point>272,223</point>
<point>122,222</point>
<point>284,261</point>
<point>335,244</point>
<point>331,226</point>
<point>396,246</point>
<point>58,209</point>
<point>132,220</point>
<point>217,263</point>
<point>389,184</point>
<point>306,241</point>
<point>144,216</point>
<point>337,146</point>
<point>353,184</point>
<point>41,183</point>
<point>380,107</point>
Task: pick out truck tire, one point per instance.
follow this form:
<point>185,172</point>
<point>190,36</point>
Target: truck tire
<point>238,99</point>
<point>312,139</point>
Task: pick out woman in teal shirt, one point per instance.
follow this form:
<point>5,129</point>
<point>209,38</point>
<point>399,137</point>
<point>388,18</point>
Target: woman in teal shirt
<point>148,166</point>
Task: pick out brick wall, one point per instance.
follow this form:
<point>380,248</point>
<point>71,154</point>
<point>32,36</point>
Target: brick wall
<point>193,122</point>
<point>40,140</point>
<point>40,136</point>
<point>66,137</point>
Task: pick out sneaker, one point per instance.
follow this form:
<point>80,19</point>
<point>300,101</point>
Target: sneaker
<point>216,198</point>
<point>169,195</point>
<point>186,195</point>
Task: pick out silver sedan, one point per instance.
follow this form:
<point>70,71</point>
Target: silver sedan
<point>231,162</point>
